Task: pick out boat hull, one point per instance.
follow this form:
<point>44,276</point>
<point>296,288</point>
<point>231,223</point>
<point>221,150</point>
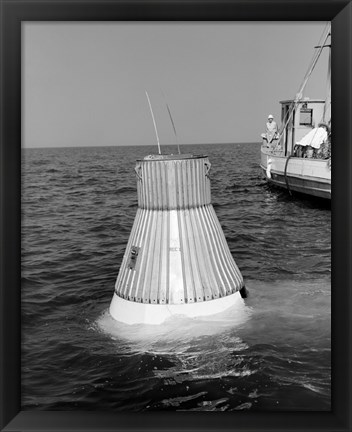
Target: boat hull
<point>307,176</point>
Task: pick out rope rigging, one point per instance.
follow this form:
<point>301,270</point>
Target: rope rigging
<point>311,67</point>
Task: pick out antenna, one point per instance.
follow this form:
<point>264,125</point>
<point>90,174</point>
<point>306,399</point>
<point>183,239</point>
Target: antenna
<point>173,125</point>
<point>156,130</point>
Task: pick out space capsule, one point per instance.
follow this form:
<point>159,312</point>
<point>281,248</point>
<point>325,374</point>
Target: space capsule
<point>177,261</point>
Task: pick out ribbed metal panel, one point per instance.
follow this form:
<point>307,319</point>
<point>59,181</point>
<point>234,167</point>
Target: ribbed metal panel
<point>168,184</point>
<point>177,252</point>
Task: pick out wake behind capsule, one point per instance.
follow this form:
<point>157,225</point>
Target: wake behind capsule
<point>177,260</point>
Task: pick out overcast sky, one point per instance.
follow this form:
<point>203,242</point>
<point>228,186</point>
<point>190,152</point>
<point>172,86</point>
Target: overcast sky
<point>84,83</point>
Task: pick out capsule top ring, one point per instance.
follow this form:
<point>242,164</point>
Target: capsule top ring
<point>155,157</point>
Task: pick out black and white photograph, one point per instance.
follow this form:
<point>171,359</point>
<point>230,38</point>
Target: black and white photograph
<point>176,216</point>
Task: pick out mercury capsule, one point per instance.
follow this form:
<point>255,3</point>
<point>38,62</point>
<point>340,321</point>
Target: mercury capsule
<point>177,260</point>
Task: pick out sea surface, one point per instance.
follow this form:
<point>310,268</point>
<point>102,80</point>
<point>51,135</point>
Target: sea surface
<point>272,353</point>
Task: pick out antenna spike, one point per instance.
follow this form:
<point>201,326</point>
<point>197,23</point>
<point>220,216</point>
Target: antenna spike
<point>173,124</point>
<point>155,128</point>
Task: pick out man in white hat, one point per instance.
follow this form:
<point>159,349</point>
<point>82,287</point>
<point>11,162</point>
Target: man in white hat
<point>271,129</point>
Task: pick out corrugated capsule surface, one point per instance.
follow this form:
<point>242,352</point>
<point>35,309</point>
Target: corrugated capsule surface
<point>177,252</point>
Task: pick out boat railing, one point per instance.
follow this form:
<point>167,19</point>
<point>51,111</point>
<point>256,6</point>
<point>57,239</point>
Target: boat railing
<point>273,148</point>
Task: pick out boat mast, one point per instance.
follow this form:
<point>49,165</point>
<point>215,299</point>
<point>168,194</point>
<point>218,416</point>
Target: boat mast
<point>327,105</point>
<point>299,95</point>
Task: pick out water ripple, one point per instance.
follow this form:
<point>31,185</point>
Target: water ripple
<point>78,207</point>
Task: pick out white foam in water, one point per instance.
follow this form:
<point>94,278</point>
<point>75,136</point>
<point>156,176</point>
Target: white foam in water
<point>130,312</point>
<point>176,328</point>
<point>198,348</point>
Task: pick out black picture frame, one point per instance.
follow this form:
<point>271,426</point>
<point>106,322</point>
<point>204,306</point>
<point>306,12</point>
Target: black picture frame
<point>13,13</point>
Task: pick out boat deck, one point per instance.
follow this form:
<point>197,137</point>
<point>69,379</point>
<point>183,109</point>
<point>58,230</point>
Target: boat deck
<point>304,175</point>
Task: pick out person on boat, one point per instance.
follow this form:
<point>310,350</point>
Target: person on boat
<point>315,138</point>
<point>324,151</point>
<point>299,151</point>
<point>271,131</point>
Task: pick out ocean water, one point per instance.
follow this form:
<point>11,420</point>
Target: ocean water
<point>272,353</point>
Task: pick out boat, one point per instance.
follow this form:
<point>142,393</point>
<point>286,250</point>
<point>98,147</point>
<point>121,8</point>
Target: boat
<point>297,157</point>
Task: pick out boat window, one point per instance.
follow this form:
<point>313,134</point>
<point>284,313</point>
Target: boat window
<point>306,117</point>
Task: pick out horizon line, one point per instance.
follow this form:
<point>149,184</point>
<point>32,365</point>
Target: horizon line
<point>139,145</point>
